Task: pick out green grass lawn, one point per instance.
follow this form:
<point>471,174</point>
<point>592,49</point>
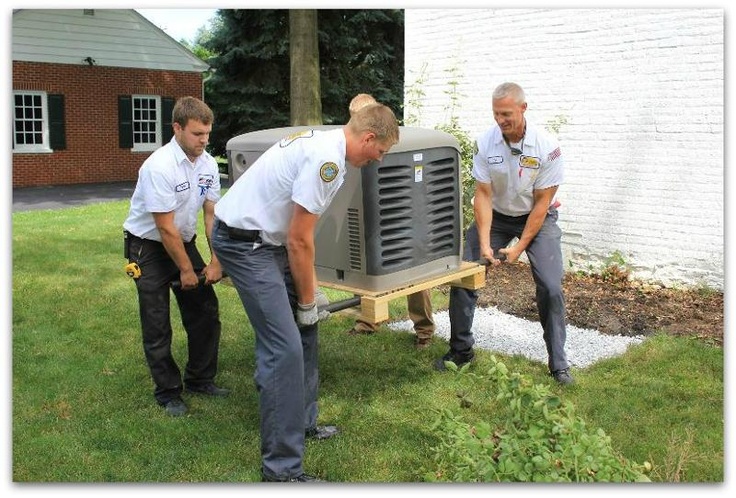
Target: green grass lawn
<point>83,409</point>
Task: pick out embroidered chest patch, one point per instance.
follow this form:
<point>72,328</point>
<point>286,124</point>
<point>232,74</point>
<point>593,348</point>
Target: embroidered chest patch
<point>529,162</point>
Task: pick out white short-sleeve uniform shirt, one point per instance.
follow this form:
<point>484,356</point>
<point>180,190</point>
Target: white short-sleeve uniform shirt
<point>168,181</point>
<point>513,178</point>
<point>306,168</point>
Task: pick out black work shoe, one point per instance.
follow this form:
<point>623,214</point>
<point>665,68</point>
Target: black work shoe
<point>301,478</point>
<point>456,358</point>
<point>175,407</point>
<point>563,377</point>
<point>208,390</point>
<point>322,432</point>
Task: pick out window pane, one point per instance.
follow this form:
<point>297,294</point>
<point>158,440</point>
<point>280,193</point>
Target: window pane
<point>29,123</point>
<point>145,115</point>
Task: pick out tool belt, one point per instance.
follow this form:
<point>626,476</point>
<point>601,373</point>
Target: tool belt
<point>240,233</point>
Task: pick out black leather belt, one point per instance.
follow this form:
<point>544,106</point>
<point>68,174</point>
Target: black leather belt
<point>240,233</point>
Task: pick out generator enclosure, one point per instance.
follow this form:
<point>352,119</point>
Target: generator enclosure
<point>391,224</point>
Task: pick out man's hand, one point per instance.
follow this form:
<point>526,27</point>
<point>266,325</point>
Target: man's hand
<point>212,273</point>
<point>309,314</point>
<point>306,314</point>
<point>188,279</point>
<point>510,254</point>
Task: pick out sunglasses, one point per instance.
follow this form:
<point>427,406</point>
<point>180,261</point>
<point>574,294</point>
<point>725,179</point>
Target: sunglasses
<point>515,151</point>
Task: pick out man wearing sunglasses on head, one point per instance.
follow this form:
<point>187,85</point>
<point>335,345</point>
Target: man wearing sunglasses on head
<point>517,168</point>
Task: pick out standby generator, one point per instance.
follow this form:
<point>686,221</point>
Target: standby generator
<point>392,223</point>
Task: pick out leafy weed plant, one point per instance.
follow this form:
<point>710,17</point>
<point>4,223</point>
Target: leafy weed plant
<point>540,440</point>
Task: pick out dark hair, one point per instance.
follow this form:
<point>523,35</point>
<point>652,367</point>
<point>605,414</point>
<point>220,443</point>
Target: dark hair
<point>187,108</point>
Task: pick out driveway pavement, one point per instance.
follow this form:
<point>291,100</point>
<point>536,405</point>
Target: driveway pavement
<point>63,196</point>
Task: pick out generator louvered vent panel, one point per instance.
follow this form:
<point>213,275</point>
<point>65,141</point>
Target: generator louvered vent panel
<point>395,214</point>
<point>354,246</point>
<point>442,201</point>
<point>411,210</point>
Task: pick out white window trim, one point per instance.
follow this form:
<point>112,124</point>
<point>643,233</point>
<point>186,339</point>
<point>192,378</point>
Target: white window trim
<point>149,147</point>
<point>44,147</point>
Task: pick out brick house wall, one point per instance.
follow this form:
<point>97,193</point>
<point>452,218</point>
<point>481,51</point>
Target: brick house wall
<point>92,153</point>
<point>636,97</point>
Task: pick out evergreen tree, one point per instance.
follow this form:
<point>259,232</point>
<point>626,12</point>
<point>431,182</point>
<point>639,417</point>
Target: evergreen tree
<point>249,88</point>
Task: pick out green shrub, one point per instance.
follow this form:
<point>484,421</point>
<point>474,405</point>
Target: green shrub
<point>541,441</point>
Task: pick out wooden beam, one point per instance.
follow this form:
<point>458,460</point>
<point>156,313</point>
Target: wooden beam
<point>374,305</point>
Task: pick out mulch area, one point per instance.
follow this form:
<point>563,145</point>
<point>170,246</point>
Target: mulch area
<point>612,303</point>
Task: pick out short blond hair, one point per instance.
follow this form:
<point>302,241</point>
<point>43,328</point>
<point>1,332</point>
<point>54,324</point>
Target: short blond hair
<point>359,101</point>
<point>377,119</point>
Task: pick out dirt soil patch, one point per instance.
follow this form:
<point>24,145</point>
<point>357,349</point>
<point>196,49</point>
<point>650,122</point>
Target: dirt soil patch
<point>612,304</point>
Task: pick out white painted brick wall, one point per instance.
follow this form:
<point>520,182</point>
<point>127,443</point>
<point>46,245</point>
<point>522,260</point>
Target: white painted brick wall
<point>642,94</point>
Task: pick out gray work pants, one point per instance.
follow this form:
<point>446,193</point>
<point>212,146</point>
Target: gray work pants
<point>286,375</point>
<point>545,258</point>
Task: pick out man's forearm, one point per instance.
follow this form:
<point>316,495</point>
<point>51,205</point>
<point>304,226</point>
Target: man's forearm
<point>175,248</point>
<point>301,263</point>
<point>533,224</point>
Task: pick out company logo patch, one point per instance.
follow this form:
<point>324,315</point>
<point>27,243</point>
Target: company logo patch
<point>205,183</point>
<point>495,159</point>
<point>529,162</point>
<point>182,187</point>
<point>328,172</point>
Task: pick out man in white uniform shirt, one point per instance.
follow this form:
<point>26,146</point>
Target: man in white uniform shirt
<point>419,304</point>
<point>175,183</point>
<point>264,238</point>
<point>518,168</point>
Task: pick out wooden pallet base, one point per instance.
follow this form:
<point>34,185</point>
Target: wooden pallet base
<point>374,305</point>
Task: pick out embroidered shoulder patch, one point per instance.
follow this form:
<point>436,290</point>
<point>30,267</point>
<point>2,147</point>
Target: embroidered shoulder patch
<point>554,154</point>
<point>285,142</point>
<point>328,172</point>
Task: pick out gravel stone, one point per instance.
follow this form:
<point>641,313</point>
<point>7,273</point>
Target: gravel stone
<point>497,331</point>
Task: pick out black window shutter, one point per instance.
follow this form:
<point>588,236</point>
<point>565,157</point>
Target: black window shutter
<point>57,125</point>
<point>167,108</point>
<point>125,121</point>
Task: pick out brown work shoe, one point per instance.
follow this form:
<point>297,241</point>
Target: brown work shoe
<point>422,342</point>
<point>355,331</point>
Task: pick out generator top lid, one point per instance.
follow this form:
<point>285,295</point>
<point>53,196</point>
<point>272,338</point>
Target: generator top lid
<point>410,138</point>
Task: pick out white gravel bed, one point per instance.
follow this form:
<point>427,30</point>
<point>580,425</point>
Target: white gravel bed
<point>497,331</point>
